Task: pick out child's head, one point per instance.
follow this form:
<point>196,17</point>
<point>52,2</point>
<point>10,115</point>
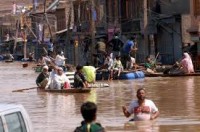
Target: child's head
<point>117,57</point>
<point>88,111</point>
<point>148,59</point>
<point>128,58</point>
<point>79,68</point>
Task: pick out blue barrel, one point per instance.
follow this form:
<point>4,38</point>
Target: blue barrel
<point>123,76</point>
<point>132,75</point>
<point>139,74</point>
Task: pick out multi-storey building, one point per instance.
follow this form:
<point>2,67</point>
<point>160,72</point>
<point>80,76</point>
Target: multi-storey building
<point>163,26</point>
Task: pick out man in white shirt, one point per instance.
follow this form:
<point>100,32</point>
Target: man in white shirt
<point>143,109</point>
<point>60,60</point>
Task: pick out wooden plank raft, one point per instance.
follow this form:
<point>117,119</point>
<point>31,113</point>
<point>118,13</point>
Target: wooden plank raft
<point>71,90</point>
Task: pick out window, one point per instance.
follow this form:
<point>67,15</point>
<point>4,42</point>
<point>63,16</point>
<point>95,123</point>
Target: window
<point>15,122</point>
<point>1,125</point>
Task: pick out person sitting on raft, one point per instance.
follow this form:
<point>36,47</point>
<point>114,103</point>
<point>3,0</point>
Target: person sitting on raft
<point>59,80</point>
<point>108,63</point>
<point>89,73</point>
<point>149,65</point>
<point>131,63</point>
<point>186,64</point>
<point>184,67</point>
<point>117,68</point>
<point>43,77</point>
<point>143,109</point>
<point>79,78</point>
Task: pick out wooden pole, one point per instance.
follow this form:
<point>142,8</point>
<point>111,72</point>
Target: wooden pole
<point>16,36</point>
<point>68,38</point>
<point>33,33</point>
<point>44,17</point>
<point>48,24</point>
<point>23,89</point>
<point>25,44</point>
<point>92,30</point>
<point>145,29</point>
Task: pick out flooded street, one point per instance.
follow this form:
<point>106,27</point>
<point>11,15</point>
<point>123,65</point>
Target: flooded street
<point>178,100</point>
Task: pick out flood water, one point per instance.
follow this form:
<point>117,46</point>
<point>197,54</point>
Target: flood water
<point>178,100</point>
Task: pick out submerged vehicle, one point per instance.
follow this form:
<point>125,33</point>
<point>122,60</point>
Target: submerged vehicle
<point>14,118</point>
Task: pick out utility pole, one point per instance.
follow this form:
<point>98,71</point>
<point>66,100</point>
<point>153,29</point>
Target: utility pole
<point>145,28</point>
<point>92,28</point>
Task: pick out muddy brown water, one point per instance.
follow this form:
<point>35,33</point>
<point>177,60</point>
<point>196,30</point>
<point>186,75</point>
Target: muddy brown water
<point>178,100</point>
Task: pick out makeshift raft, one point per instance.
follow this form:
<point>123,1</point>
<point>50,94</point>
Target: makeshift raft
<point>70,76</point>
<point>125,75</point>
<point>171,75</point>
<point>78,90</point>
<point>70,90</point>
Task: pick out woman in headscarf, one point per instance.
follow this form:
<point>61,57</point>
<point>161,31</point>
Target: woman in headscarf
<point>186,64</point>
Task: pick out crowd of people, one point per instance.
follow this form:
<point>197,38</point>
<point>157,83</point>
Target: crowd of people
<point>56,79</point>
<point>118,56</point>
<point>115,62</point>
<point>53,74</point>
<point>121,57</point>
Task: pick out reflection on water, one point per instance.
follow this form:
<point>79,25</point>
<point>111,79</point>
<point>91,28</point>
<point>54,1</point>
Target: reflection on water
<point>177,99</point>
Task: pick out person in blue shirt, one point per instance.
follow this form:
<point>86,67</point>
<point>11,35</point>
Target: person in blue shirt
<point>127,50</point>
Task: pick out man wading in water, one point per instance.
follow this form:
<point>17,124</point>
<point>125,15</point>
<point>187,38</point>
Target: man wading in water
<point>143,109</point>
